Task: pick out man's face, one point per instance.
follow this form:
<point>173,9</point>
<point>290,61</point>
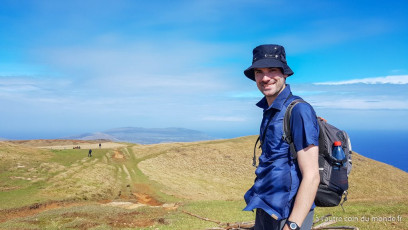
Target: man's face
<point>270,81</point>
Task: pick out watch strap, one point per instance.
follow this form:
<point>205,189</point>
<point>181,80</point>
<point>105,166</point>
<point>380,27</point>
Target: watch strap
<point>292,225</point>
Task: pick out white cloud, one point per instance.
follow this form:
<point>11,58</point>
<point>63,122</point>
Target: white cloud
<point>362,104</point>
<point>396,80</point>
<point>18,87</point>
<point>358,95</point>
<point>120,65</point>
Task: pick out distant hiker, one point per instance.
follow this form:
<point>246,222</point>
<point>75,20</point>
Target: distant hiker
<point>90,153</point>
<point>285,184</point>
<point>100,145</point>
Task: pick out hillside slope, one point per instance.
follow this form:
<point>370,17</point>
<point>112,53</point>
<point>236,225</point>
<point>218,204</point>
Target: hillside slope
<point>48,184</point>
<point>223,170</point>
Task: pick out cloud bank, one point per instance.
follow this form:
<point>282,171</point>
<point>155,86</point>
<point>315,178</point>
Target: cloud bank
<point>396,80</point>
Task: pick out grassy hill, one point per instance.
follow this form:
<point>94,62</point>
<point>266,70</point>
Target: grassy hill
<point>47,184</point>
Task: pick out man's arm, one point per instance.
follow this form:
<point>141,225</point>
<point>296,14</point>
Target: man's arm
<point>308,163</point>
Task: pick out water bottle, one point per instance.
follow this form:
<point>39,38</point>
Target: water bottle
<point>338,153</point>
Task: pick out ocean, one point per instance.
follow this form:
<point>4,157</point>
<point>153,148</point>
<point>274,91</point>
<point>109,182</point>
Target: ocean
<point>388,146</point>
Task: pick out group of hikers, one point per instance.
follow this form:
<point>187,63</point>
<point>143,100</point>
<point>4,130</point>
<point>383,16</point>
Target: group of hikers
<point>90,150</point>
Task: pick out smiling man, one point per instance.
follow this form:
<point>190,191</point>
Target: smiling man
<point>285,186</point>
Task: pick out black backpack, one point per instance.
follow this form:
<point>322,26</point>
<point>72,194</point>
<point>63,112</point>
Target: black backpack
<point>333,183</point>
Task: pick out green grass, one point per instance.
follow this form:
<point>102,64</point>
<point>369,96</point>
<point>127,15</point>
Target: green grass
<point>68,157</point>
<point>21,197</point>
<point>96,217</point>
<point>22,192</point>
<point>21,186</point>
<point>368,215</point>
<point>84,217</point>
<point>70,175</point>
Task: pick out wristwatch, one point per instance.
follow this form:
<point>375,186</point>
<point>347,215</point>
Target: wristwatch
<point>292,225</point>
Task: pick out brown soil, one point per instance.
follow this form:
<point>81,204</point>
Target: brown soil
<point>117,154</point>
<point>143,194</point>
<point>120,221</point>
<point>147,199</point>
<point>128,221</point>
<point>33,209</point>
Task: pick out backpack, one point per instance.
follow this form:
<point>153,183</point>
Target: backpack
<point>333,182</point>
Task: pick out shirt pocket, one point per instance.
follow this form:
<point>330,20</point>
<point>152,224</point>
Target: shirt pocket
<point>275,147</point>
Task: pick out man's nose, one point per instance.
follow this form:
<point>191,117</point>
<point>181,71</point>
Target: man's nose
<point>265,77</point>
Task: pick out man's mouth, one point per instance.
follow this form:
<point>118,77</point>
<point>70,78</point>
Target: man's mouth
<point>269,84</point>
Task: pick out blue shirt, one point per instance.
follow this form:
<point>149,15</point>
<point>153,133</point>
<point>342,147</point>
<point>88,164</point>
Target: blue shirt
<point>278,176</point>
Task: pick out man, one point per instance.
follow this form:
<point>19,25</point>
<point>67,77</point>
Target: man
<point>285,186</point>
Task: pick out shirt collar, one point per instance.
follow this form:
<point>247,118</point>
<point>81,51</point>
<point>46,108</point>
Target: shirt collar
<point>278,102</point>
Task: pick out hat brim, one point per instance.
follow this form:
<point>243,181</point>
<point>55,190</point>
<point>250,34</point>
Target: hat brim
<point>267,63</point>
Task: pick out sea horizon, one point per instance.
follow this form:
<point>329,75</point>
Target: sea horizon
<point>387,146</point>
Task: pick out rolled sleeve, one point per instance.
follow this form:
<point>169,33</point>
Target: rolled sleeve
<point>304,126</point>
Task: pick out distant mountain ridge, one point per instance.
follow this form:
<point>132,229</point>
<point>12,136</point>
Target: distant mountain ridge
<point>145,135</point>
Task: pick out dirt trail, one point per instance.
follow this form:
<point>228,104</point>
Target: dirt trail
<point>33,209</point>
<point>134,194</point>
<point>121,221</point>
<point>117,154</point>
<point>142,199</point>
<point>147,199</point>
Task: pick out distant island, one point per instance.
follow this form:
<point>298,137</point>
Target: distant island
<point>145,135</point>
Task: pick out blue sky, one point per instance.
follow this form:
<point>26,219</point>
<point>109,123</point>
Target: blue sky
<point>68,67</point>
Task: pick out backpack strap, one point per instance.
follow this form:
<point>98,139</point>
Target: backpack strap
<point>254,158</point>
<point>259,139</point>
<point>345,193</point>
<point>287,136</point>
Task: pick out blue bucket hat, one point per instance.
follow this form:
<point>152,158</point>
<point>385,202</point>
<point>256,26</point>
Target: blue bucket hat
<point>266,56</point>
